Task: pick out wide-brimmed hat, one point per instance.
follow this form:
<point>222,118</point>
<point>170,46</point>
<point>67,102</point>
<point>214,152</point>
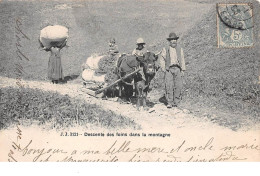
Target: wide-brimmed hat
<point>140,41</point>
<point>172,36</point>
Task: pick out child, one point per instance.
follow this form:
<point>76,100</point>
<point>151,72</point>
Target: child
<point>113,49</point>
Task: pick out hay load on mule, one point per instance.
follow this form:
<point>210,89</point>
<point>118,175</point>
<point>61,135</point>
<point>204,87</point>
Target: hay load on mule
<point>99,72</point>
<point>53,36</point>
<point>100,69</point>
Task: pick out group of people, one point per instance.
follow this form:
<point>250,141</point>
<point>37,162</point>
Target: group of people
<point>171,61</point>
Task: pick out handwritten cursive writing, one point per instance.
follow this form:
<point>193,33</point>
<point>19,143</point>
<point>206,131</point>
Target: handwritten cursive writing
<point>20,34</point>
<point>240,147</point>
<point>125,148</point>
<point>41,152</point>
<point>132,152</point>
<point>15,145</point>
<point>226,156</point>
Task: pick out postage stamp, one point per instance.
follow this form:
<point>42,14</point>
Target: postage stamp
<point>235,25</point>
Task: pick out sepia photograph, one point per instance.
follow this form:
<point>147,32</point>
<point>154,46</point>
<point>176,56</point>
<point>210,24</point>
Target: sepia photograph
<point>130,81</point>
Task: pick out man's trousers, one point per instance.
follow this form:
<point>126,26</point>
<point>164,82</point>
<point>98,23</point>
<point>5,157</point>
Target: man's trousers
<point>173,85</point>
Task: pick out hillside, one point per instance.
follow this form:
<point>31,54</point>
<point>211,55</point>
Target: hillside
<point>219,79</point>
<point>216,80</point>
<point>91,25</point>
<point>214,72</point>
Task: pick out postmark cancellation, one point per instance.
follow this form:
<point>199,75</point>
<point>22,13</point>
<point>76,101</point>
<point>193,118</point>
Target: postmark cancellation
<point>235,25</point>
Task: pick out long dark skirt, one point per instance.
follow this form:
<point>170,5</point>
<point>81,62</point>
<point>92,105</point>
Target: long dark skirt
<point>54,68</point>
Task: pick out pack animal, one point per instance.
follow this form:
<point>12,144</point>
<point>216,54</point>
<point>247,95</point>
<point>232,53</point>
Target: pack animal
<point>128,64</point>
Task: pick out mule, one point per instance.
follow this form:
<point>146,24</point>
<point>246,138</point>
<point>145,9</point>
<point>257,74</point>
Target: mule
<point>128,64</point>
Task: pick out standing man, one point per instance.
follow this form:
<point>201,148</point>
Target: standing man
<point>140,50</point>
<point>139,54</point>
<point>173,63</point>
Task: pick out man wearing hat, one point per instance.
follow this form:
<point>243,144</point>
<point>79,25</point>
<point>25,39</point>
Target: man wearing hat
<point>173,64</point>
<point>139,53</point>
<point>140,50</point>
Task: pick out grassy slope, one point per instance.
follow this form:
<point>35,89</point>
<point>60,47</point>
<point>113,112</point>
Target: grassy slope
<point>222,79</point>
<point>52,110</point>
<point>217,72</point>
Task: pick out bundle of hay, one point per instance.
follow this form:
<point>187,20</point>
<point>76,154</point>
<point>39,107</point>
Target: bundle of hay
<point>106,64</point>
<point>89,75</point>
<point>110,77</point>
<point>54,36</point>
<point>100,69</point>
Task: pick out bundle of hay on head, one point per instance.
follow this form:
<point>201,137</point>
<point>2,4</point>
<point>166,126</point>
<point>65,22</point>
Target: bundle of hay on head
<point>53,36</point>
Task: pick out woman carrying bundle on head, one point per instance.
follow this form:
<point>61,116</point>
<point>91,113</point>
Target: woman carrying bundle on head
<point>53,39</point>
<point>55,72</point>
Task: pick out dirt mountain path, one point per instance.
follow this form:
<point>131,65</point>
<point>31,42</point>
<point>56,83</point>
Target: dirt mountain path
<point>156,119</point>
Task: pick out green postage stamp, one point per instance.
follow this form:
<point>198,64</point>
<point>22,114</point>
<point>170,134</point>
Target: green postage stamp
<point>235,25</point>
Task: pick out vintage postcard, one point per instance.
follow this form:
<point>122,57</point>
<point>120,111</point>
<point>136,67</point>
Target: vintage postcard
<point>129,81</point>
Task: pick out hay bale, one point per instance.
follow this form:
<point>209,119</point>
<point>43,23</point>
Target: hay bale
<point>90,76</point>
<point>93,62</point>
<point>110,77</point>
<point>100,69</point>
<point>53,36</point>
<point>107,63</point>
